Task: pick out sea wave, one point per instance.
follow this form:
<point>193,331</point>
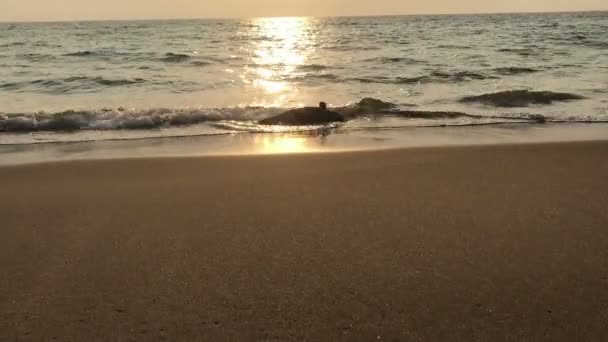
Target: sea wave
<point>311,67</point>
<point>433,77</point>
<point>12,44</point>
<point>237,118</point>
<point>35,57</point>
<point>68,84</point>
<point>520,98</point>
<point>122,118</point>
<point>515,70</point>
<point>524,52</point>
<point>81,54</point>
<point>453,46</point>
<point>175,58</point>
<point>200,63</point>
<point>448,77</point>
<point>388,60</point>
<point>325,77</point>
<point>301,68</point>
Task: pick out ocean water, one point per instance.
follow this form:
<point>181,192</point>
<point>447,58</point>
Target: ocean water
<point>87,81</point>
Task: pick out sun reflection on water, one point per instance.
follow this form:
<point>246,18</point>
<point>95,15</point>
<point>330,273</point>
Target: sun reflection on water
<point>280,45</point>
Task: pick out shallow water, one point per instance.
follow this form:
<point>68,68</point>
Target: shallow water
<point>131,80</point>
<point>301,142</point>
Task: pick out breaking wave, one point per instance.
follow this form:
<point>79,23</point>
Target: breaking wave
<point>121,118</point>
<point>244,118</point>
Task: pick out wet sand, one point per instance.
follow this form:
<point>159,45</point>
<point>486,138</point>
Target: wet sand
<point>486,243</point>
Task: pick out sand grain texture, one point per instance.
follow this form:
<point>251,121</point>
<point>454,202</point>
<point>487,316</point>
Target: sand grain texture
<point>496,243</point>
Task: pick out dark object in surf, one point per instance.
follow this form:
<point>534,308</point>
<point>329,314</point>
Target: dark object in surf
<point>520,98</point>
<point>538,118</point>
<point>305,116</point>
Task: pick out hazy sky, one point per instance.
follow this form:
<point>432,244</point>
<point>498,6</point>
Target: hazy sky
<point>20,10</point>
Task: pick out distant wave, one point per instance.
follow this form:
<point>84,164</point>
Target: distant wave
<point>36,57</point>
<point>19,66</point>
<point>65,85</point>
<point>446,77</point>
<point>453,77</point>
<point>327,77</point>
<point>525,52</point>
<point>596,44</point>
<point>299,68</point>
<point>515,70</point>
<point>453,46</point>
<point>106,55</point>
<point>393,60</point>
<point>372,106</point>
<point>200,63</point>
<point>433,77</point>
<point>348,47</point>
<point>13,44</point>
<point>46,44</point>
<point>311,67</point>
<point>187,60</point>
<point>80,54</point>
<point>175,58</point>
<point>520,98</point>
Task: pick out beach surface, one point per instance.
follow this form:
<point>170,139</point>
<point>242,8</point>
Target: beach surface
<point>481,243</point>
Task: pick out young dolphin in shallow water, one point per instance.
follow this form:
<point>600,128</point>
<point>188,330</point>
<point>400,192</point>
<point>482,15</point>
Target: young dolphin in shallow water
<point>305,116</point>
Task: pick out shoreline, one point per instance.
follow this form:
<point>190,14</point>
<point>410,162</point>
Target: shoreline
<point>244,144</point>
<point>360,152</point>
<point>475,243</point>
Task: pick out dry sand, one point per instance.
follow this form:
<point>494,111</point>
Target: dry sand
<point>459,244</point>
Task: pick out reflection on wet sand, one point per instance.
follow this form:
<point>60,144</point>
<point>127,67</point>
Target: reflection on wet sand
<point>312,141</point>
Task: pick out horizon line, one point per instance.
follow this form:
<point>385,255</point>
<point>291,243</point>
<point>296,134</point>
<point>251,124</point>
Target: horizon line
<point>304,16</point>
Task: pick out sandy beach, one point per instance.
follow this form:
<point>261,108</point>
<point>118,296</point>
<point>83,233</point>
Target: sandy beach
<point>484,243</point>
